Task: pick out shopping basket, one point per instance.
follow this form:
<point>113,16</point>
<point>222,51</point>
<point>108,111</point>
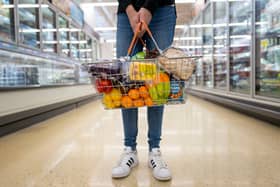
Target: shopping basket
<point>130,83</point>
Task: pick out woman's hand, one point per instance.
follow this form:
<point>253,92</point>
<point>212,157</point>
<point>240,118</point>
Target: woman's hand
<point>133,16</point>
<point>145,16</point>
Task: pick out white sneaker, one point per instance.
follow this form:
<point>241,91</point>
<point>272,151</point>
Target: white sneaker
<point>160,169</point>
<point>127,161</point>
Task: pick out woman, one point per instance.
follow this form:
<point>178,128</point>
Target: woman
<point>160,15</point>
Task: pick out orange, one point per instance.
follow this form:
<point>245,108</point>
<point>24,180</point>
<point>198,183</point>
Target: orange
<point>149,101</point>
<point>138,102</point>
<point>143,92</point>
<point>126,102</point>
<point>133,94</point>
<point>161,77</point>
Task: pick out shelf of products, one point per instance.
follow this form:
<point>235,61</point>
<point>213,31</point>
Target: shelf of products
<point>7,26</point>
<point>267,49</point>
<point>240,50</point>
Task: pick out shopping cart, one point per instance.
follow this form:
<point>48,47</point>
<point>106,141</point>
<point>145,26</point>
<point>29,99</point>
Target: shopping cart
<point>130,83</point>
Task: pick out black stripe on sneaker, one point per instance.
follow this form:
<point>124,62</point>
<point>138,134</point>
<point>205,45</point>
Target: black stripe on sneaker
<point>129,161</point>
<point>128,164</point>
<point>132,159</point>
<point>154,166</point>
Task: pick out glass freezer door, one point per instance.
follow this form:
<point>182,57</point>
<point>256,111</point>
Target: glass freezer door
<point>268,48</point>
<point>207,48</point>
<point>240,50</point>
<point>74,42</point>
<point>64,40</point>
<point>7,27</point>
<point>29,32</point>
<point>49,39</point>
<point>220,45</point>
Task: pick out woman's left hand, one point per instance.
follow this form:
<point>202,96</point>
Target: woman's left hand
<point>145,16</point>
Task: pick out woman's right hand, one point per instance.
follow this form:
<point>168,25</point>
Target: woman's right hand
<point>133,16</point>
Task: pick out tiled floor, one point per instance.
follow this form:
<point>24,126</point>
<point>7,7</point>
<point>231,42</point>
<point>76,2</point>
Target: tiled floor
<point>204,144</point>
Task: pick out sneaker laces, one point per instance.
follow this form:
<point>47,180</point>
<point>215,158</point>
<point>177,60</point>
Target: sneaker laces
<point>125,157</point>
<point>156,156</point>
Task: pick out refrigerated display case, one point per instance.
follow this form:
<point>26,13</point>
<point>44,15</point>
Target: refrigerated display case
<point>7,21</point>
<point>267,48</point>
<point>38,54</point>
<point>29,31</point>
<point>240,16</point>
<point>245,53</point>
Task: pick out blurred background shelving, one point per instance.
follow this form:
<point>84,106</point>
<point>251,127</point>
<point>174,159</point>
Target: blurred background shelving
<point>42,45</point>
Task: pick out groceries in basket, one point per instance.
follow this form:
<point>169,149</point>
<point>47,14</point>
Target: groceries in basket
<point>176,61</point>
<point>106,69</point>
<point>140,69</point>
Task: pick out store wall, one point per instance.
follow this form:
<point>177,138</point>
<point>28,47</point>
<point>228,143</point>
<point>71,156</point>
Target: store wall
<point>21,100</point>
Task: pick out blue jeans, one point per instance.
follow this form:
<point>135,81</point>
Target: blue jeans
<point>162,27</point>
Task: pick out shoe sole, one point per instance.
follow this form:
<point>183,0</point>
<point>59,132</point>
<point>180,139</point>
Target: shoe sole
<point>123,176</point>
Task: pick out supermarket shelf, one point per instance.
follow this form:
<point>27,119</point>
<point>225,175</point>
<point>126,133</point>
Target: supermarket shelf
<point>265,110</point>
<point>13,122</point>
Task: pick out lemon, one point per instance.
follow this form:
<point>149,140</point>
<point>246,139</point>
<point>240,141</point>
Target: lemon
<point>117,103</point>
<point>107,98</point>
<point>116,94</point>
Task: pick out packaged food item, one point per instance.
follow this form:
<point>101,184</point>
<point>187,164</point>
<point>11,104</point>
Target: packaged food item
<point>177,89</point>
<point>142,70</point>
<point>175,61</point>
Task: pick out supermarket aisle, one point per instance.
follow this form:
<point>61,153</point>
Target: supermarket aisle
<point>203,143</point>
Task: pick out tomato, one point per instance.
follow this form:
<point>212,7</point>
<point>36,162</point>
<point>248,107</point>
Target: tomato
<point>103,85</point>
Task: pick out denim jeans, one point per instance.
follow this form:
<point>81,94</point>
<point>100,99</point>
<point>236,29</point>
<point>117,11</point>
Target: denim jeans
<point>162,27</point>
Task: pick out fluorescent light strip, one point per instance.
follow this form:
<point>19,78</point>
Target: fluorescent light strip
<point>75,30</point>
<point>48,30</point>
<point>220,37</point>
<point>7,6</point>
<point>239,24</point>
<point>32,6</point>
<point>240,36</point>
<point>49,42</point>
<point>29,30</point>
<point>240,45</point>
